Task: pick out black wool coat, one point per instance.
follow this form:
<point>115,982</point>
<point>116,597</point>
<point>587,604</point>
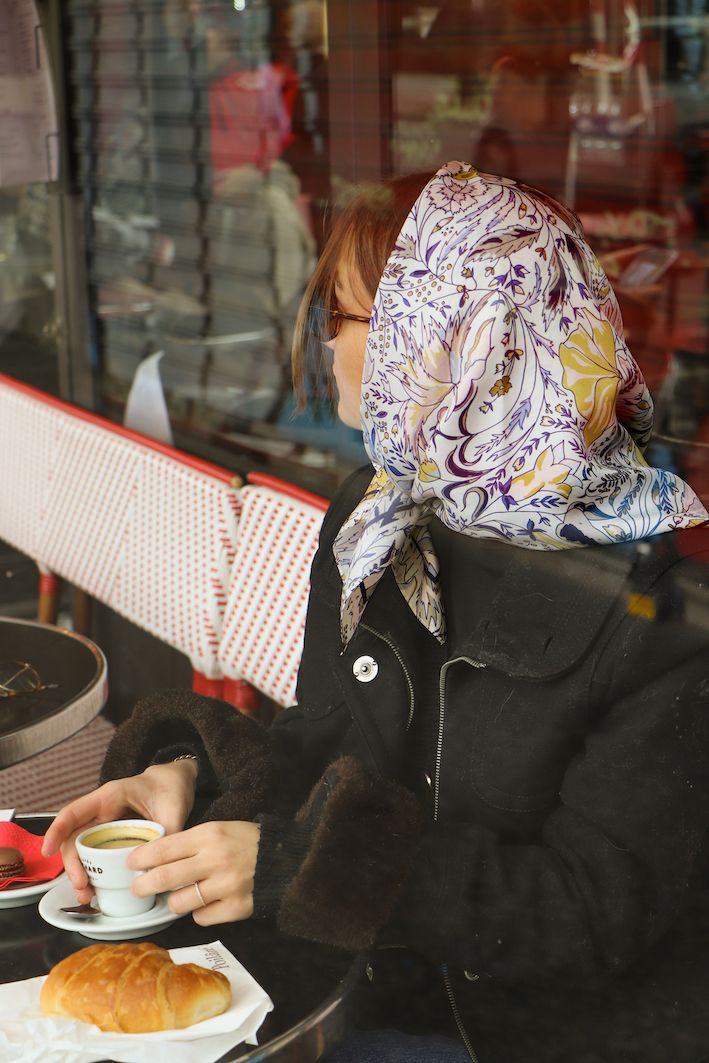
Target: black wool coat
<point>513,822</point>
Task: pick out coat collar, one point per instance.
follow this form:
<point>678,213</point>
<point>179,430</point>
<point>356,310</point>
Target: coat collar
<point>527,612</point>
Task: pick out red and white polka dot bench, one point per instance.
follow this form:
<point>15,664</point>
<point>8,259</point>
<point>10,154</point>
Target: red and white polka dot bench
<point>264,619</point>
<point>140,526</point>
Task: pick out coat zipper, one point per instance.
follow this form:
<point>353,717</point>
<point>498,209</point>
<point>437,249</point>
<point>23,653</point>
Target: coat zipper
<point>441,718</point>
<point>456,1015</point>
<point>404,669</point>
<point>436,798</point>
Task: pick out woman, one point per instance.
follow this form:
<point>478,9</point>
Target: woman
<point>498,756</point>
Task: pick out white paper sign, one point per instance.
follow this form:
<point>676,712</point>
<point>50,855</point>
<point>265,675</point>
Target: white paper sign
<point>29,138</point>
<point>146,409</point>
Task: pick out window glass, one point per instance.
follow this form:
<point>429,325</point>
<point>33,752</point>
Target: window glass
<point>213,136</point>
<point>604,105</point>
<point>28,324</point>
<point>204,162</point>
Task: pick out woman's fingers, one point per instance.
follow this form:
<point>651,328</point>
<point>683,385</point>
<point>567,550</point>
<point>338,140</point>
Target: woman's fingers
<point>230,910</point>
<point>227,895</point>
<point>75,869</point>
<point>164,851</point>
<point>220,857</point>
<point>186,900</point>
<point>226,899</point>
<point>160,794</point>
<point>113,800</point>
<point>168,863</point>
<point>67,823</point>
<point>166,878</point>
<point>164,792</point>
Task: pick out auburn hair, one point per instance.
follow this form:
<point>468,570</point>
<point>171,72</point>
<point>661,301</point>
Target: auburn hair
<point>361,233</point>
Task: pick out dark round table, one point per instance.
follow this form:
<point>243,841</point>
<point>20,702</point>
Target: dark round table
<point>313,987</point>
<point>73,687</point>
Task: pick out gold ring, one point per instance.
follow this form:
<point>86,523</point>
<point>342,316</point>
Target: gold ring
<point>202,901</point>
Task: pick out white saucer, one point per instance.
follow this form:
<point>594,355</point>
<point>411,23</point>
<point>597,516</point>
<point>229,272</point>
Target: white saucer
<point>102,927</point>
<point>17,896</point>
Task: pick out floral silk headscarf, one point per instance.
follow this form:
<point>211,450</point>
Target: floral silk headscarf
<point>498,395</point>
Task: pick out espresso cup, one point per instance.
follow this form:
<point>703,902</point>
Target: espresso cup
<point>103,851</point>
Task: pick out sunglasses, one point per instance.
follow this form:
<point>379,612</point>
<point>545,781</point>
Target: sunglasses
<point>19,677</point>
<point>330,320</point>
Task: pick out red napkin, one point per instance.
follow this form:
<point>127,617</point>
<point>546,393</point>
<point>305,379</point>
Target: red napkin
<point>37,867</point>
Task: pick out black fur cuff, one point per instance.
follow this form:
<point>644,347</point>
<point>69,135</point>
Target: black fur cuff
<point>236,748</point>
<point>363,831</point>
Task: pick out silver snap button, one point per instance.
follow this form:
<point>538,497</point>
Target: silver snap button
<point>471,977</point>
<point>427,777</point>
<point>370,972</point>
<point>365,669</point>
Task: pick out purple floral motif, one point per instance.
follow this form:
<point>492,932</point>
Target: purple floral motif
<point>450,194</point>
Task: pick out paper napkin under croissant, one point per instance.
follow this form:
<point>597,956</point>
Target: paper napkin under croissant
<point>26,1036</point>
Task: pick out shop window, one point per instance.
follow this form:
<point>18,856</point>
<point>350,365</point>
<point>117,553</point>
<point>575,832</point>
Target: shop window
<point>212,138</point>
<point>203,158</point>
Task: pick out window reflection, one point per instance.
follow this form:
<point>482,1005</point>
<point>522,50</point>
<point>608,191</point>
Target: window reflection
<point>204,156</point>
<point>604,105</point>
<point>28,331</point>
<point>213,136</point>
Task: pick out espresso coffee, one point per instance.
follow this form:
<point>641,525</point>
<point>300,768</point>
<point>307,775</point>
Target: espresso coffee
<point>119,838</point>
<point>119,843</point>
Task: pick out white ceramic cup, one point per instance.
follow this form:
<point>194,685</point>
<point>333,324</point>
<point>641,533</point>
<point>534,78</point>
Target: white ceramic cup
<point>103,850</point>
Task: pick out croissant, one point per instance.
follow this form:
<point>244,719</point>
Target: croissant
<point>133,988</point>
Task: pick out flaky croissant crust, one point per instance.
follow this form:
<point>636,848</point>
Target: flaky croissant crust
<point>133,988</point>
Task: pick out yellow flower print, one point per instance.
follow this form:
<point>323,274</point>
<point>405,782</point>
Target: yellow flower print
<point>501,386</point>
<point>380,482</point>
<point>638,454</point>
<point>591,373</point>
<point>547,475</point>
<point>429,471</point>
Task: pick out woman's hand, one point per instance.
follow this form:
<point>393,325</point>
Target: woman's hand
<point>219,857</point>
<point>163,792</point>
